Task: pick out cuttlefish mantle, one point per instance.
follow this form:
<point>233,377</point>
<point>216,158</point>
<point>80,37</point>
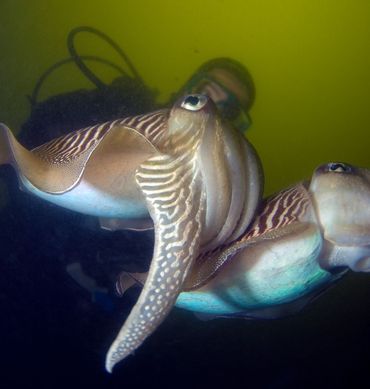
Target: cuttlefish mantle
<point>186,169</point>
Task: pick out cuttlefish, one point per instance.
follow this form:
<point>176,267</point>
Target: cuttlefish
<point>301,241</point>
<point>183,170</point>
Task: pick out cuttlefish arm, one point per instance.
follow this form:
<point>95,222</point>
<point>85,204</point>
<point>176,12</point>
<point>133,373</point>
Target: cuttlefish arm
<point>173,188</point>
<point>176,205</point>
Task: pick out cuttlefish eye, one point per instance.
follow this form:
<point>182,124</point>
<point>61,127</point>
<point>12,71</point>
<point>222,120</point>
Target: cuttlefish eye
<point>194,102</point>
<point>339,167</point>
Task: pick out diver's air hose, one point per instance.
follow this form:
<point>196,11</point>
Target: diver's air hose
<point>79,61</point>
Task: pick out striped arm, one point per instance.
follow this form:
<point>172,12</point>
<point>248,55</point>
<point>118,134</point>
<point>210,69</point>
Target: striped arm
<point>174,193</point>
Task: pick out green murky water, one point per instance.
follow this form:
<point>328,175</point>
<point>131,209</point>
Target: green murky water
<point>310,61</point>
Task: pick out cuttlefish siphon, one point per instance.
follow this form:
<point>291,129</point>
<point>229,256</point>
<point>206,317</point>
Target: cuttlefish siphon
<point>183,170</point>
<point>302,240</point>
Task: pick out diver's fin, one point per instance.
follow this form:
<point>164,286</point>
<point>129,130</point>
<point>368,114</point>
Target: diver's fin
<point>81,278</point>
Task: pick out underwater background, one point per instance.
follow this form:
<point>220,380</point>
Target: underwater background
<point>310,63</point>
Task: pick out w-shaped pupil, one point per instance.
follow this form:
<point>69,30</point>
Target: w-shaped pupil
<point>339,167</point>
<point>192,100</point>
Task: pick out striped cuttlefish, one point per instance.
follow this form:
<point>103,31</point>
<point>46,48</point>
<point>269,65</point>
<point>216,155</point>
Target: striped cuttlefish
<point>184,171</point>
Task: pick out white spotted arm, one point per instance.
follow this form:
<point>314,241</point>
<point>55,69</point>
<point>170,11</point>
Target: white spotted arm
<point>174,194</point>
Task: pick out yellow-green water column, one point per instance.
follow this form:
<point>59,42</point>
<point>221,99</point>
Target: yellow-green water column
<point>310,61</point>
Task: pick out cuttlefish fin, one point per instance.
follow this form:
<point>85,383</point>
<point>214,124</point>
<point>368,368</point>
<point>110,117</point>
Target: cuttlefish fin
<point>43,174</point>
<point>56,166</point>
<point>210,264</point>
<point>174,194</point>
<point>12,152</point>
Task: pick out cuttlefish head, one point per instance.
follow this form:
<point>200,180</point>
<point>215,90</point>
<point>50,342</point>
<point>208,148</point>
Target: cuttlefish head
<point>341,197</point>
<point>230,169</point>
<point>187,123</point>
<point>201,189</point>
<point>230,86</point>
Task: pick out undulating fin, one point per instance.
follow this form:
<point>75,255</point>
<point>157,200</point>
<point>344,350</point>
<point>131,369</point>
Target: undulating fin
<point>51,175</point>
<point>287,309</point>
<point>7,142</point>
<point>112,224</point>
<point>25,162</point>
<point>57,166</point>
<point>270,313</point>
<point>281,215</point>
<point>175,199</point>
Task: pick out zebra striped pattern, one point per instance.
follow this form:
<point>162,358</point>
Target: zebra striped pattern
<point>280,210</point>
<point>172,186</point>
<point>151,125</point>
<point>69,147</point>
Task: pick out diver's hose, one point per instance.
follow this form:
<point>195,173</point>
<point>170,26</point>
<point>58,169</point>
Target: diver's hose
<point>79,61</point>
<point>33,98</point>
